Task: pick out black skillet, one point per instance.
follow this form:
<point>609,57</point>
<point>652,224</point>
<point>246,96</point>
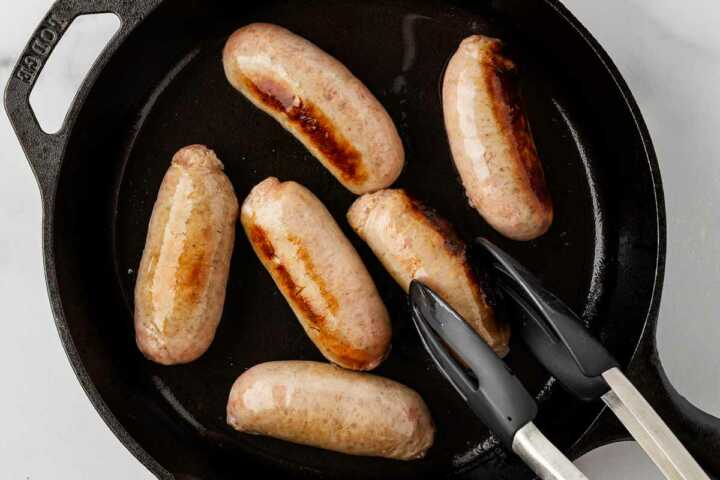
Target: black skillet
<point>159,86</point>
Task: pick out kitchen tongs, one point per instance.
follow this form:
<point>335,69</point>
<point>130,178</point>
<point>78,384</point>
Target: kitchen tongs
<point>493,393</point>
<point>558,339</point>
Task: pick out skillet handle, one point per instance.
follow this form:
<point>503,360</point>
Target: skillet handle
<point>698,431</point>
<point>44,150</point>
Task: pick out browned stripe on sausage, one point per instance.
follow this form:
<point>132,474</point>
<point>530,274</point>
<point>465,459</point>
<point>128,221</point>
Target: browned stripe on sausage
<point>260,239</point>
<point>314,124</point>
<point>502,83</point>
<point>344,353</point>
<point>273,94</point>
<point>453,244</point>
<point>304,256</point>
<point>498,333</point>
<point>194,263</point>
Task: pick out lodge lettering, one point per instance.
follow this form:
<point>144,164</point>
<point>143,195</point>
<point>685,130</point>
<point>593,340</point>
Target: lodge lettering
<point>40,47</point>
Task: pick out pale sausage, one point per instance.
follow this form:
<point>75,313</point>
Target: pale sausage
<point>324,406</point>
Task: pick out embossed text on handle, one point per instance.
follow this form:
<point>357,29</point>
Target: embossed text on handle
<point>40,47</point>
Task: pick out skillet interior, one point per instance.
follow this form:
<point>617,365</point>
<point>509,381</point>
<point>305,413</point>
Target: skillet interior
<point>164,89</point>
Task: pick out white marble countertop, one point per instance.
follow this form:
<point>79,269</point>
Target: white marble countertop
<point>668,51</point>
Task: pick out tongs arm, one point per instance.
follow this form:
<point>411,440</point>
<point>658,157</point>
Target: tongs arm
<point>495,395</point>
<point>581,364</point>
<point>552,331</point>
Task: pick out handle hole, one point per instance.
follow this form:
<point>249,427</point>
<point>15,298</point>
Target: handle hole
<point>67,67</point>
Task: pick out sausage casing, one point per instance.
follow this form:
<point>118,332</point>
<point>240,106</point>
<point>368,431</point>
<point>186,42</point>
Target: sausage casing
<point>319,101</point>
<point>180,288</point>
<point>413,242</point>
<point>324,406</point>
<point>319,273</point>
<point>491,143</point>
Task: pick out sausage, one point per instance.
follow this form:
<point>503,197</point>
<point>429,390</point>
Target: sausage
<point>319,101</point>
<point>318,272</point>
<point>491,142</point>
<point>413,242</point>
<point>180,288</point>
<point>320,405</point>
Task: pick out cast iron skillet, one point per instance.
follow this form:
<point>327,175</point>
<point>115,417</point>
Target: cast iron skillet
<point>159,86</point>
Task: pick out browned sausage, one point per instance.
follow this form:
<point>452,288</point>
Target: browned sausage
<point>413,242</point>
<point>319,101</point>
<point>324,406</point>
<point>180,289</point>
<point>319,273</point>
<point>491,142</point>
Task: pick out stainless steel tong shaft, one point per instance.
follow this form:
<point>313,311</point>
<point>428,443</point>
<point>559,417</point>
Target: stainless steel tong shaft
<point>542,456</point>
<point>649,430</point>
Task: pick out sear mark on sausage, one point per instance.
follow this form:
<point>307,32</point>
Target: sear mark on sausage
<point>354,358</point>
<point>502,83</point>
<point>272,93</point>
<point>193,268</point>
<point>351,357</point>
<point>303,255</point>
<point>260,239</point>
<point>457,248</point>
<point>453,244</point>
<point>315,125</point>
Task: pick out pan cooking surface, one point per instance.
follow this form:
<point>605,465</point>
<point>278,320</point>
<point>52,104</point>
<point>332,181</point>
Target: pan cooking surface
<point>399,50</point>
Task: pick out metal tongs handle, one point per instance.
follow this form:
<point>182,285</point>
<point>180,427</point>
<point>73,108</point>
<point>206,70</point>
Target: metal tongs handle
<point>649,430</point>
<point>492,391</point>
<point>558,339</point>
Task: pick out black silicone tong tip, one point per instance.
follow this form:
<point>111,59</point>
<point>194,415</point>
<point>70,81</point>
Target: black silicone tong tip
<point>494,394</point>
<point>552,331</point>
